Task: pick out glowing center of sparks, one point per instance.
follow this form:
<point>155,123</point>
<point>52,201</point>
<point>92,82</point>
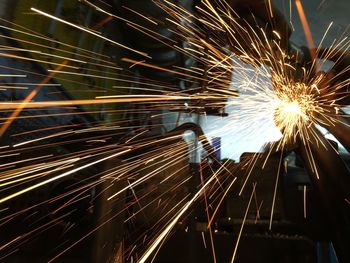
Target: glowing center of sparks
<point>298,106</point>
<point>291,108</point>
<point>290,117</point>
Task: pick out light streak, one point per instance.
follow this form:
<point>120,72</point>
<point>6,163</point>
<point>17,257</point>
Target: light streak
<point>160,68</point>
<point>25,160</point>
<point>141,15</point>
<point>13,75</point>
<point>118,99</point>
<point>304,199</point>
<point>60,50</point>
<point>243,221</point>
<point>8,55</point>
<point>208,218</point>
<point>87,31</point>
<point>307,29</point>
<point>171,225</point>
<point>275,190</point>
<point>203,238</point>
<point>61,176</point>
<point>143,178</point>
<point>42,138</point>
<point>20,106</point>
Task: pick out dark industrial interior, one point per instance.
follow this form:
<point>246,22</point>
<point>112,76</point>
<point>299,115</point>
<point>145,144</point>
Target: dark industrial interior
<point>82,181</point>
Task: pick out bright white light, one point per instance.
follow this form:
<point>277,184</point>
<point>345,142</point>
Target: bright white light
<point>248,127</point>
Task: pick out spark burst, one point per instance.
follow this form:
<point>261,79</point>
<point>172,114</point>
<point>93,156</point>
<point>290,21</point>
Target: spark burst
<point>268,81</point>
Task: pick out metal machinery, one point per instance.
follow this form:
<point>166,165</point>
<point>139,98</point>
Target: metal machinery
<point>298,239</point>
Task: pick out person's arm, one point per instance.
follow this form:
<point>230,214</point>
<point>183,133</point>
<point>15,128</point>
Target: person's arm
<point>331,183</point>
<point>338,78</point>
